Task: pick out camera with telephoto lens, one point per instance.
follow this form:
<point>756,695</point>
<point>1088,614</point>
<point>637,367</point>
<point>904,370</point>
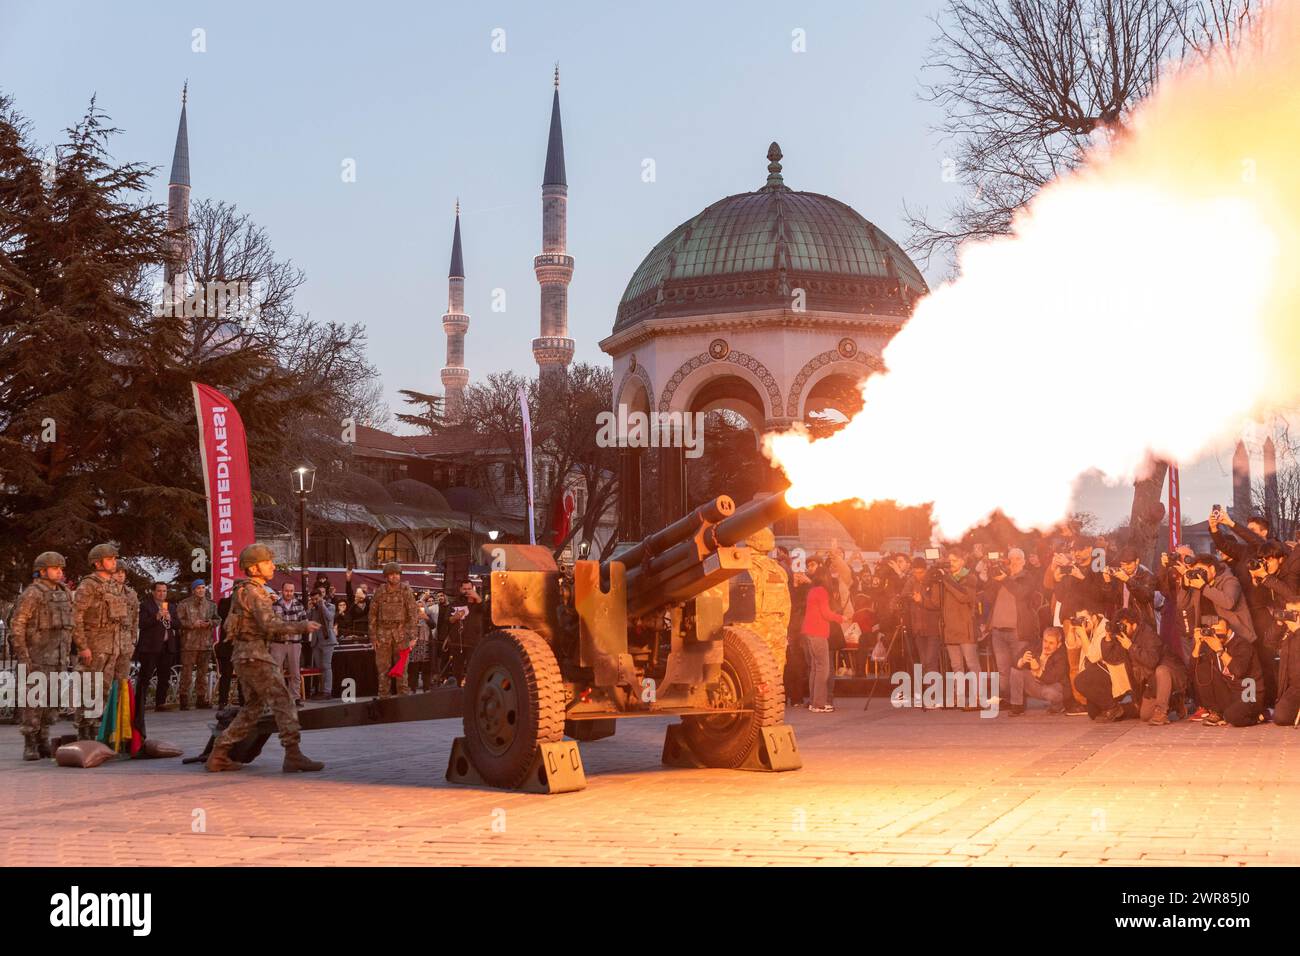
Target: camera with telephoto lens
<point>1205,630</point>
<point>1196,574</point>
<point>1256,563</point>
<point>1287,615</point>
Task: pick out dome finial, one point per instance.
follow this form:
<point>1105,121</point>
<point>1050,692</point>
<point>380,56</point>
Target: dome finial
<point>774,179</point>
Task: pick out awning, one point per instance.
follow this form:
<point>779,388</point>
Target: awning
<point>415,519</point>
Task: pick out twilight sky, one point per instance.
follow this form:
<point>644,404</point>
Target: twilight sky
<point>281,95</point>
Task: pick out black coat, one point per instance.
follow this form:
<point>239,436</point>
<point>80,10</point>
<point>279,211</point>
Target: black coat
<point>1074,593</point>
<point>1141,594</point>
<point>1240,547</point>
<point>158,636</point>
<point>1288,666</point>
<point>1024,588</point>
<point>1147,653</point>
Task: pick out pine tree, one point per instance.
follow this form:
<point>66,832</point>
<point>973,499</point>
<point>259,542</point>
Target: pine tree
<point>98,439</point>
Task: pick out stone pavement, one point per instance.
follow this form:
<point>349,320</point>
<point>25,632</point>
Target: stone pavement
<point>884,787</point>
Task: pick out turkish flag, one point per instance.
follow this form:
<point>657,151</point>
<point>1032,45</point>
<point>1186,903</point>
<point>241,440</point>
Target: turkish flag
<point>563,517</point>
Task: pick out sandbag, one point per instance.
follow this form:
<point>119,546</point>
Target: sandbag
<point>153,747</point>
<point>83,753</point>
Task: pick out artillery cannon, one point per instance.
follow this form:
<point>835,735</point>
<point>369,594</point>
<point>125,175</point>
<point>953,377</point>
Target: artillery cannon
<point>639,635</point>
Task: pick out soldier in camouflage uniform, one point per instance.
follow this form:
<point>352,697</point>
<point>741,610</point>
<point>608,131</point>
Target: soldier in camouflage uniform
<point>42,624</point>
<point>130,630</point>
<point>771,595</point>
<point>198,616</point>
<point>100,614</point>
<point>249,626</point>
<point>393,622</point>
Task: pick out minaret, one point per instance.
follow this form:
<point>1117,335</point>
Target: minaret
<point>455,376</point>
<point>176,262</point>
<point>1270,484</point>
<point>553,349</point>
<point>1241,506</point>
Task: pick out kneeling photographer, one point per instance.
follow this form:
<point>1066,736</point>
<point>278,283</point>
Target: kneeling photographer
<point>1286,712</point>
<point>1103,678</point>
<point>1159,675</point>
<point>1044,676</point>
<point>1227,674</point>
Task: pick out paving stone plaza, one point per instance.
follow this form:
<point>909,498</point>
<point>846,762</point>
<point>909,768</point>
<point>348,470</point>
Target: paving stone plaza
<point>885,787</point>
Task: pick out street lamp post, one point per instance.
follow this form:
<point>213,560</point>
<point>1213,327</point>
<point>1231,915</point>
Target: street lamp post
<point>304,479</point>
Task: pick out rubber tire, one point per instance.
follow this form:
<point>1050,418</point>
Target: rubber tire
<point>540,719</point>
<point>761,690</point>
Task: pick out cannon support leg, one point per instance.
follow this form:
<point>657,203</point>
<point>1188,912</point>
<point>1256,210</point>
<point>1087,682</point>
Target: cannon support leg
<point>773,752</point>
<point>556,768</point>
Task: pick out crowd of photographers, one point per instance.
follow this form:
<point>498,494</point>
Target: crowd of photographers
<point>1076,624</point>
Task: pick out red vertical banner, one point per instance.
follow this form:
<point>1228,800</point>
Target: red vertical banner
<point>226,480</point>
<point>1175,510</point>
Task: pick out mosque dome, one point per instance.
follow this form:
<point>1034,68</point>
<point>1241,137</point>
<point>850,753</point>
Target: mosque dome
<point>753,250</point>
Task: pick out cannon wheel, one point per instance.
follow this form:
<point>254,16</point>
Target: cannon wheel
<point>749,679</point>
<point>514,701</point>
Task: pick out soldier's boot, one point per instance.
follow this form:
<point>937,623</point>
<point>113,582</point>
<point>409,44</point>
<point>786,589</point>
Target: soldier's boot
<point>30,751</point>
<point>220,760</point>
<point>295,761</point>
<point>43,746</point>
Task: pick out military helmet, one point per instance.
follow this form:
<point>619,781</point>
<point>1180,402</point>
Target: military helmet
<point>254,554</point>
<point>101,551</point>
<point>49,559</point>
<point>762,540</point>
<point>392,567</point>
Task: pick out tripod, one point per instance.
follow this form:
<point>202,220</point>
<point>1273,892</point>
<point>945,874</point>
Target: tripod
<point>903,632</point>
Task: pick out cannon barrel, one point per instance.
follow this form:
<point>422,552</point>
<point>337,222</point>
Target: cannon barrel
<point>684,565</point>
<point>680,530</point>
<point>757,514</point>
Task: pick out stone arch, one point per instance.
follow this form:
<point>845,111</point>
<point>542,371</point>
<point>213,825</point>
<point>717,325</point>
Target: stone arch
<point>859,363</point>
<point>765,381</point>
<point>639,372</point>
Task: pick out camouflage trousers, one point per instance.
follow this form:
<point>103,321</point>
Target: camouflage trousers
<point>124,656</point>
<point>195,661</point>
<point>104,656</point>
<point>261,685</point>
<point>37,721</point>
<point>388,647</point>
<point>772,629</point>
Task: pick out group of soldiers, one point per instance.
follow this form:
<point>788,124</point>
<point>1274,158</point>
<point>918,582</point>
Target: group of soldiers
<point>100,621</point>
<point>252,625</point>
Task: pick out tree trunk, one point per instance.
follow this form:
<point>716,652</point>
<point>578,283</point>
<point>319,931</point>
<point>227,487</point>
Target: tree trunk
<point>1145,515</point>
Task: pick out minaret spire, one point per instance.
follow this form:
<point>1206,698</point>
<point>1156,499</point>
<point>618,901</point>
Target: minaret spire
<point>455,376</point>
<point>553,349</point>
<point>176,262</point>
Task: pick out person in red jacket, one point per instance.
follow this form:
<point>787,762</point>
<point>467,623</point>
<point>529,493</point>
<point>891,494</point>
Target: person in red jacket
<point>817,619</point>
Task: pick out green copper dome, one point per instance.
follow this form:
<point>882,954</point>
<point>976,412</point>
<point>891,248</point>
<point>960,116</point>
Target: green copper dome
<point>755,250</point>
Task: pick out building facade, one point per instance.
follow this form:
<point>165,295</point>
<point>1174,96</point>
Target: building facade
<point>769,304</point>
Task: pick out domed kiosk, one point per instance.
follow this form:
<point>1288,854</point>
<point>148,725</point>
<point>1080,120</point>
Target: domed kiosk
<point>767,304</point>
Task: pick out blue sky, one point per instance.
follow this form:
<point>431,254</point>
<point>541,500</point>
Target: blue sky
<point>284,93</point>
